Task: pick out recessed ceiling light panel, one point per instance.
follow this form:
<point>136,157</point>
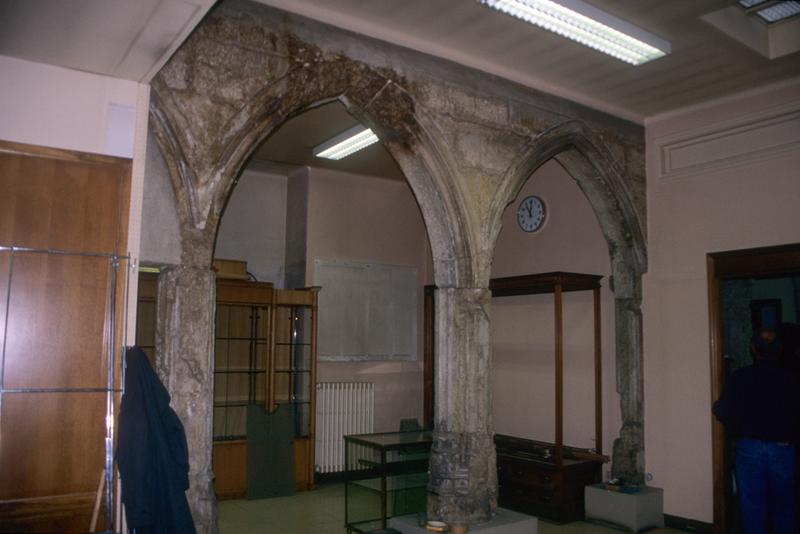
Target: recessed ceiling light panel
<point>587,25</point>
<point>779,11</point>
<point>346,143</point>
<point>747,4</point>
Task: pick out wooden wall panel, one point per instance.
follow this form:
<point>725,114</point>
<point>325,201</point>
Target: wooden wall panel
<point>52,447</point>
<point>52,444</point>
<point>301,458</point>
<point>5,263</point>
<point>56,322</point>
<point>230,469</point>
<point>64,513</point>
<point>64,200</point>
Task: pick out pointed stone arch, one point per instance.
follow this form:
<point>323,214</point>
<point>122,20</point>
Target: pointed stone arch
<point>377,99</point>
<point>601,178</point>
<point>248,68</point>
<point>207,135</point>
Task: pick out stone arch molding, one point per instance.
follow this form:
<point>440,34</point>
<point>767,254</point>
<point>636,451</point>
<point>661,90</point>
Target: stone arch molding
<point>209,111</point>
<point>600,177</point>
<point>598,174</point>
<point>376,98</point>
<point>241,74</point>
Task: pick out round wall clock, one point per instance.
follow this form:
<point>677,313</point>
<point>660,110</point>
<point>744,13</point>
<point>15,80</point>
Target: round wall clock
<point>531,214</point>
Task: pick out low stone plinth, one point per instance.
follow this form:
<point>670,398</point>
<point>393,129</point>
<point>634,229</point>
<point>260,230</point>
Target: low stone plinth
<point>630,512</point>
<point>504,522</point>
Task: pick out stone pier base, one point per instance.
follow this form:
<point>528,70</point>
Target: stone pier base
<point>629,512</point>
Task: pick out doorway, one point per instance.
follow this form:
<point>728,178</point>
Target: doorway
<point>745,289</point>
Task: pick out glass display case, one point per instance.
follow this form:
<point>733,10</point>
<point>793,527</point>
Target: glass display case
<point>292,371</point>
<point>293,363</point>
<point>241,354</point>
<point>536,477</point>
<point>548,479</point>
<point>386,476</point>
<point>264,354</point>
<point>240,359</point>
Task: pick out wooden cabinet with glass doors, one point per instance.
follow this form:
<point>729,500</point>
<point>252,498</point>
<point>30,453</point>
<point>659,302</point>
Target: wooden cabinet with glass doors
<point>265,354</point>
<point>293,371</point>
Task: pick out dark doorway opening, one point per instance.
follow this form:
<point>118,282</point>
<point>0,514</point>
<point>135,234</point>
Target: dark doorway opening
<point>742,287</point>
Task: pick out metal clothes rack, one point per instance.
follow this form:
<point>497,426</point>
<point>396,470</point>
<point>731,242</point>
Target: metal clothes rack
<point>110,331</point>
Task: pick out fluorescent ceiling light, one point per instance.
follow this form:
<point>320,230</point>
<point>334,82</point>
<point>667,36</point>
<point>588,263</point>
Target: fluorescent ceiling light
<point>779,11</point>
<point>589,26</point>
<point>346,143</point>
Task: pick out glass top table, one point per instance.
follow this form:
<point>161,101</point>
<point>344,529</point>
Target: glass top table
<point>386,475</point>
<point>392,440</point>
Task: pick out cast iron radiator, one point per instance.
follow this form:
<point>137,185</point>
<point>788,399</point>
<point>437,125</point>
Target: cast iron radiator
<point>343,408</point>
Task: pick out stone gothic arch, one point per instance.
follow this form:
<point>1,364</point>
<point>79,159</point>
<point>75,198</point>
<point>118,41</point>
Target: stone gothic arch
<point>416,151</point>
<point>601,178</point>
<point>206,143</point>
<point>248,68</point>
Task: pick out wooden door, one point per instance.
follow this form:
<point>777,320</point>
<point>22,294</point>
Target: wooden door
<point>63,222</point>
<point>765,262</point>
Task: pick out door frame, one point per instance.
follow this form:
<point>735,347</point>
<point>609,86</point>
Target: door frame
<point>763,262</point>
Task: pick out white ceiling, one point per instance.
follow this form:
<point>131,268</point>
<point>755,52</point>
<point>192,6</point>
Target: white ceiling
<point>293,143</point>
<point>129,39</point>
<point>705,63</point>
<point>132,39</point>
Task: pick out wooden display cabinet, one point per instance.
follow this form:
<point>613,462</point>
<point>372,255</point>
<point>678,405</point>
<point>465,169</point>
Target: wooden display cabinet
<point>293,371</point>
<point>535,477</point>
<point>241,353</point>
<point>264,353</point>
<point>531,481</point>
<point>546,479</point>
<point>146,315</point>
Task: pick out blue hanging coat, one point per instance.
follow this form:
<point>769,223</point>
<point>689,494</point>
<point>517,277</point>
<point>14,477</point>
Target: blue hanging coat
<point>152,454</point>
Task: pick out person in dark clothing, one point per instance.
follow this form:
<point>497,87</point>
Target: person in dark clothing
<point>760,408</point>
<point>152,454</point>
<point>789,334</point>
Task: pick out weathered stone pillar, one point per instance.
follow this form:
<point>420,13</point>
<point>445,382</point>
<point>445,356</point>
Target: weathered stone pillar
<point>185,348</point>
<point>628,457</point>
<point>463,472</point>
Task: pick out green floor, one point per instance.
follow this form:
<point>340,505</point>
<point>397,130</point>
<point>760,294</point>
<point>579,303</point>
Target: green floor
<point>322,512</point>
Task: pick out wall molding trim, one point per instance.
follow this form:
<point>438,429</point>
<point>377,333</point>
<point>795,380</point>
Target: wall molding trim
<point>746,139</point>
<point>722,100</point>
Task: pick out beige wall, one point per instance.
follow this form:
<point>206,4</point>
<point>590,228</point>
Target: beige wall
<point>253,227</point>
<point>371,220</point>
<point>296,227</point>
<point>63,108</point>
<point>720,177</point>
<point>161,237</point>
<point>345,217</point>
<point>523,327</point>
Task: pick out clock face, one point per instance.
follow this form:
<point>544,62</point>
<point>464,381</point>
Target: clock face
<point>531,214</point>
